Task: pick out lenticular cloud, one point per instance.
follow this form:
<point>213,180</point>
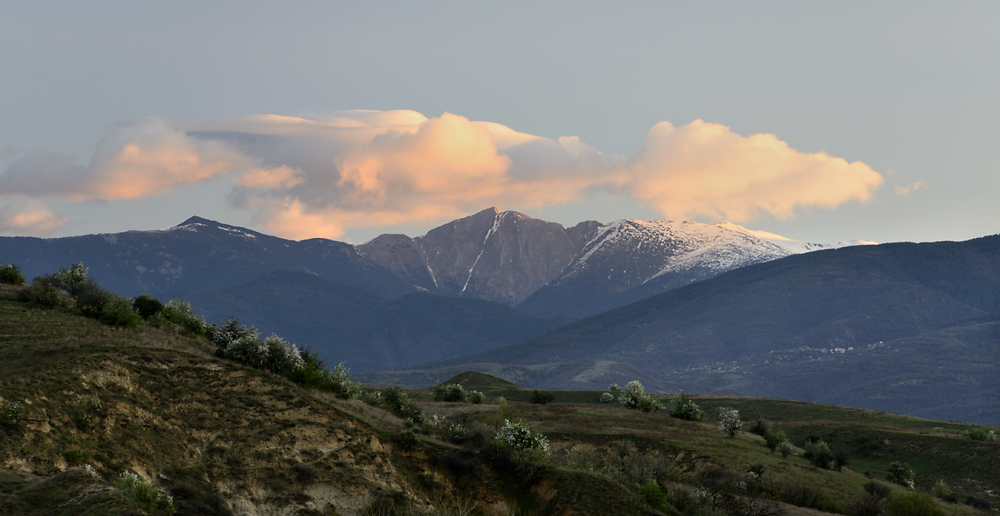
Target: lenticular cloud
<point>319,176</point>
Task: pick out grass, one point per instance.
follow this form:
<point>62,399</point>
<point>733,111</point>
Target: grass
<point>209,431</point>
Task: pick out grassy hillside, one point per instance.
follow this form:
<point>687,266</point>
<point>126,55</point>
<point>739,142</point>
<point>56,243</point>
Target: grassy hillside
<point>82,403</point>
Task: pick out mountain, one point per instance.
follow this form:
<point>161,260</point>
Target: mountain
<point>629,260</point>
<point>914,324</point>
<point>345,323</point>
<point>196,255</point>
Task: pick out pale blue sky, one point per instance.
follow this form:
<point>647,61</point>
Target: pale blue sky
<point>907,88</point>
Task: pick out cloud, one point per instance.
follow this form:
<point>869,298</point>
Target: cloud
<point>325,174</point>
<point>912,187</point>
<point>704,169</point>
<point>25,216</point>
<point>137,160</point>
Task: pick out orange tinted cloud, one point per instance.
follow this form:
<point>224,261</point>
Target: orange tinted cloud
<point>704,169</point>
<point>29,217</point>
<point>322,175</point>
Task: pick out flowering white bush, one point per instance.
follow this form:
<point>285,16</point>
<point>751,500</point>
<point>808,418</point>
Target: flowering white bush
<point>520,438</point>
<point>729,421</point>
<point>607,397</point>
<point>634,396</point>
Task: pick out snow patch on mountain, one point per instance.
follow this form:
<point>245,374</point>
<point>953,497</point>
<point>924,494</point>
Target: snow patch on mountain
<point>795,246</point>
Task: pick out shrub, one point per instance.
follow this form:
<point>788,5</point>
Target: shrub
<point>74,456</point>
<point>607,397</point>
<point>117,311</point>
<point>729,421</point>
<point>91,298</point>
<point>72,278</point>
<point>942,491</point>
<point>453,392</point>
<point>819,454</point>
<point>786,449</point>
<point>913,504</point>
<point>10,274</point>
<point>685,408</point>
<point>542,397</point>
<point>518,450</point>
<point>773,439</point>
<point>342,385</point>
<point>43,291</point>
<point>476,397</point>
<point>181,314</point>
<point>147,306</point>
<point>634,396</point>
<point>981,434</point>
<point>900,473</point>
<point>878,490</point>
<point>281,357</point>
<point>145,495</point>
<point>653,494</point>
<point>232,334</point>
<point>517,436</point>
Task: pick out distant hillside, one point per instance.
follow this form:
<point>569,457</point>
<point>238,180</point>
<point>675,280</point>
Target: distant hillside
<point>367,331</point>
<point>900,327</point>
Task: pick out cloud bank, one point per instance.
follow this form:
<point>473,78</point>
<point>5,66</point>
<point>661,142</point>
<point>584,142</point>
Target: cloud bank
<point>322,175</point>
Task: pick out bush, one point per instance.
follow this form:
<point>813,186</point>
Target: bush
<point>942,491</point>
<point>476,397</point>
<point>181,314</point>
<point>900,473</point>
<point>981,434</point>
<point>685,408</point>
<point>518,450</point>
<point>145,495</point>
<point>913,504</point>
<point>773,439</point>
<point>91,298</point>
<point>542,397</point>
<point>453,392</point>
<point>117,311</point>
<point>786,449</point>
<point>10,274</point>
<point>607,397</point>
<point>281,357</point>
<point>634,396</point>
<point>147,306</point>
<point>43,291</point>
<point>819,454</point>
<point>729,421</point>
<point>72,278</point>
<point>653,494</point>
<point>232,334</point>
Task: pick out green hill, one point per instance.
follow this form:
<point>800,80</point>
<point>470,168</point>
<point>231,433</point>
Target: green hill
<point>82,403</point>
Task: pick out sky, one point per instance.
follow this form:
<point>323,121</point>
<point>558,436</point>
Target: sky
<point>821,122</point>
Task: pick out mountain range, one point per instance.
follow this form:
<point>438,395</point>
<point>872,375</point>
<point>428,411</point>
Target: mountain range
<point>721,309</point>
<point>910,328</point>
<point>477,283</point>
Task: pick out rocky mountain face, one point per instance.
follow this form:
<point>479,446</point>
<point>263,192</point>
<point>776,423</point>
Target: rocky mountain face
<point>547,270</point>
<point>629,260</point>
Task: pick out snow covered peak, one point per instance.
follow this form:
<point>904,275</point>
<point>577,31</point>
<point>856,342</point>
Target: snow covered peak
<point>794,246</point>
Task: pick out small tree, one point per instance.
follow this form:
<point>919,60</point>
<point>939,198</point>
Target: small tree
<point>607,397</point>
<point>147,306</point>
<point>73,277</point>
<point>900,473</point>
<point>685,408</point>
<point>11,275</point>
<point>819,454</point>
<point>729,421</point>
<point>542,397</point>
<point>450,392</point>
<point>634,397</point>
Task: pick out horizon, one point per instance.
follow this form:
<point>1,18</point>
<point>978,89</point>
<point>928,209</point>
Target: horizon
<point>818,123</point>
